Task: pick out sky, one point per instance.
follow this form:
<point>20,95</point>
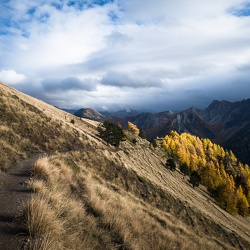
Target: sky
<point>126,54</point>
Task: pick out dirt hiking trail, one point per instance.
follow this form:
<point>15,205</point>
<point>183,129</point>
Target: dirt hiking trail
<point>13,197</point>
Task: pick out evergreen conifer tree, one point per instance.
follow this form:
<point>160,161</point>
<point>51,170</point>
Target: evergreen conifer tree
<point>111,133</point>
<point>195,179</point>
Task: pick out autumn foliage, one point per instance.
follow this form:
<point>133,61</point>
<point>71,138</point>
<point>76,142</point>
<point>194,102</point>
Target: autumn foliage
<point>133,128</point>
<point>225,177</point>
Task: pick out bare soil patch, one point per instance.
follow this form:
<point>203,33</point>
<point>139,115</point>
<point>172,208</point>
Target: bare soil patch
<point>13,198</point>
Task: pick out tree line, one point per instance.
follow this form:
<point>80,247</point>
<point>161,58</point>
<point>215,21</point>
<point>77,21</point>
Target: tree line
<point>227,179</point>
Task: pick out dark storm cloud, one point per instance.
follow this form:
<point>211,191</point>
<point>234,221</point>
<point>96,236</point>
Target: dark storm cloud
<point>66,84</point>
<point>119,79</point>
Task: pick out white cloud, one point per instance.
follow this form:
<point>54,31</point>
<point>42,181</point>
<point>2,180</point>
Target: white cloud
<point>11,77</point>
<point>66,38</point>
<point>112,50</point>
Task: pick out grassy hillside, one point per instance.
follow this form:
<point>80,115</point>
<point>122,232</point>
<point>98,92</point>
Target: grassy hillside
<point>88,195</point>
<point>28,126</point>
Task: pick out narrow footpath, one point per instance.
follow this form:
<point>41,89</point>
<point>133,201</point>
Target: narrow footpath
<point>13,199</point>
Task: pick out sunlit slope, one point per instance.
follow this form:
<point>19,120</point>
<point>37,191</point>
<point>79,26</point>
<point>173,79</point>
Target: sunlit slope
<point>29,126</point>
<point>100,195</point>
<point>140,171</point>
<point>118,187</point>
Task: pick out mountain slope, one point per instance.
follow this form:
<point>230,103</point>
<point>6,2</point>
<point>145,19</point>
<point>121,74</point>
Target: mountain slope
<point>119,187</point>
<point>221,172</point>
<point>225,123</point>
<point>121,113</point>
<point>29,126</point>
<point>90,114</point>
<point>231,124</point>
<point>89,195</point>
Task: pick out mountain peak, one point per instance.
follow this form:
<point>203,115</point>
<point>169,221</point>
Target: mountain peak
<point>90,114</point>
<point>216,103</point>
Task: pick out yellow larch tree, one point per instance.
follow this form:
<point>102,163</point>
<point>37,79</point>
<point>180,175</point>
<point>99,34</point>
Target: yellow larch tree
<point>242,203</point>
<point>133,128</point>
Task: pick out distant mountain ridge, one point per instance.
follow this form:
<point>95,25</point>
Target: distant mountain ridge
<point>230,123</point>
<point>90,114</point>
<point>226,123</point>
<point>122,113</point>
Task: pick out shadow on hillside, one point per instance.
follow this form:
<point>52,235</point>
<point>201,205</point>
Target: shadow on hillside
<point>21,191</point>
<point>7,218</point>
<point>10,230</point>
<point>23,174</point>
<point>7,227</point>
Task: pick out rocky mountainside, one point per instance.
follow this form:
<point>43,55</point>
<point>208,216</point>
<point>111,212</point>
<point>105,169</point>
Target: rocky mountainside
<point>225,123</point>
<point>158,125</point>
<point>90,195</point>
<point>122,113</point>
<point>91,114</point>
<point>230,123</point>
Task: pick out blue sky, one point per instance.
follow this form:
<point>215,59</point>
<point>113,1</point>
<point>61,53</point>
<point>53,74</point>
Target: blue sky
<point>114,54</point>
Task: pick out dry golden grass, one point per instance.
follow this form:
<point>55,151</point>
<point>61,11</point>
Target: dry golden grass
<point>61,225</point>
<point>129,226</point>
<point>42,168</point>
<point>28,126</point>
<point>44,225</point>
<point>84,211</point>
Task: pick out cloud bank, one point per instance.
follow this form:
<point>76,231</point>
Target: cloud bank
<point>151,55</point>
<point>11,77</point>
